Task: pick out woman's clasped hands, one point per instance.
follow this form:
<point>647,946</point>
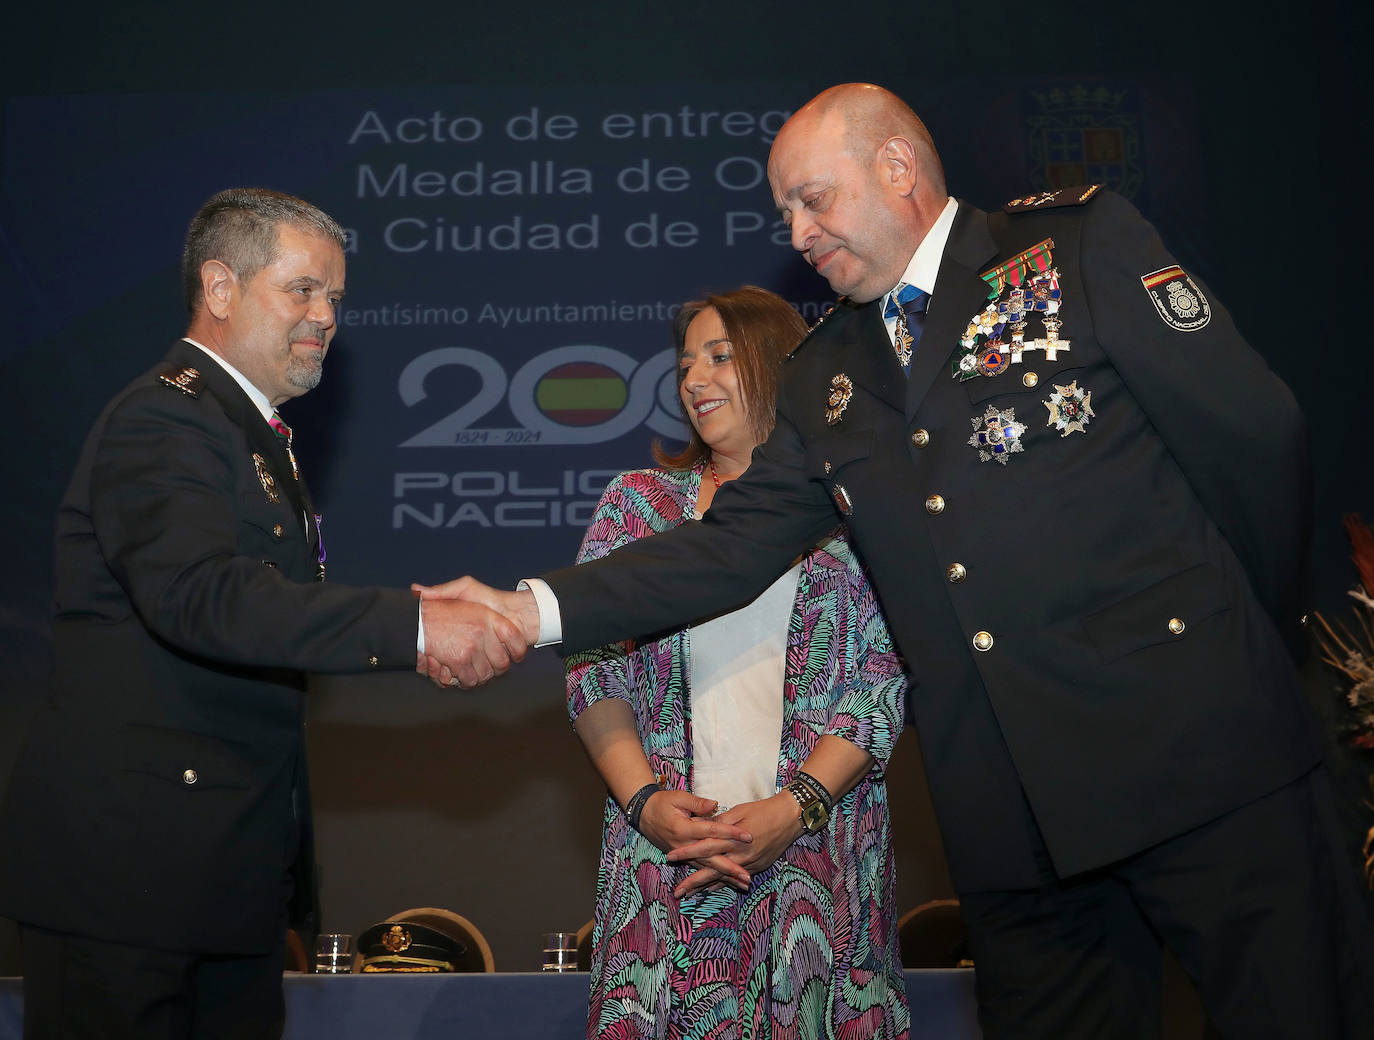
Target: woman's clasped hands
<point>725,849</point>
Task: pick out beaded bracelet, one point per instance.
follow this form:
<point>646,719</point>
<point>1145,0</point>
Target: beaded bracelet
<point>817,788</point>
<point>799,791</point>
<point>635,806</point>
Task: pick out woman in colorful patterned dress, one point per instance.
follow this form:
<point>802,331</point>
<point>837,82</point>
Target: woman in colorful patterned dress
<point>746,879</point>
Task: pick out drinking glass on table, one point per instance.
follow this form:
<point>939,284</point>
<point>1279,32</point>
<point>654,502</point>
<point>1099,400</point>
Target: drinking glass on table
<point>334,954</point>
<point>560,951</point>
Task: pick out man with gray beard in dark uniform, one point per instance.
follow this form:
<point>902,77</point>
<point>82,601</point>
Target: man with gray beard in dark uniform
<point>157,824</point>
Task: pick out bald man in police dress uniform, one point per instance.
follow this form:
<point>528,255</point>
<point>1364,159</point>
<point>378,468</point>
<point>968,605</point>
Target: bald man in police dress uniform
<point>1083,501</point>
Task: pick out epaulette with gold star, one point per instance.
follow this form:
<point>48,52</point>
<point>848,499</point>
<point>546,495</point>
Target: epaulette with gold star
<point>815,325</point>
<point>1071,196</point>
<point>187,379</point>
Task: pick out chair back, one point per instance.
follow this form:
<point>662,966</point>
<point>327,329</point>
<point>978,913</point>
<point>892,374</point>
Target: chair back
<point>584,946</point>
<point>932,936</point>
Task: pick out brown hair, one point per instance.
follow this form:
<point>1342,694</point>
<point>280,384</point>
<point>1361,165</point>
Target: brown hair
<point>762,329</point>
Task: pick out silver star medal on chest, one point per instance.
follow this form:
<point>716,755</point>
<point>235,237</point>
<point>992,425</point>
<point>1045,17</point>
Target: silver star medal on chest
<point>1071,408</point>
<point>997,435</point>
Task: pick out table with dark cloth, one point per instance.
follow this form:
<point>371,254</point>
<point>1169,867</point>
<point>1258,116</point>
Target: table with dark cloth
<point>505,1006</point>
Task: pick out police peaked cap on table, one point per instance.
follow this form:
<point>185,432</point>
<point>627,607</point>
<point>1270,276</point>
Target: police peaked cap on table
<point>404,946</point>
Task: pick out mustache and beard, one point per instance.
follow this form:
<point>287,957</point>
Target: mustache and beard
<point>305,366</point>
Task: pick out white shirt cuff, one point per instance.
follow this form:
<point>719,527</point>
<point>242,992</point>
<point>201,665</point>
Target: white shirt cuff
<point>420,639</point>
<point>550,618</point>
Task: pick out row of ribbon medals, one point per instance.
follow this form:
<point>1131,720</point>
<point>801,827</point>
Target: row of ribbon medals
<point>1030,284</point>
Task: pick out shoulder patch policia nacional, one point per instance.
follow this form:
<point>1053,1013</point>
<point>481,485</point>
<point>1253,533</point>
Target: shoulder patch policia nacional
<point>1177,298</point>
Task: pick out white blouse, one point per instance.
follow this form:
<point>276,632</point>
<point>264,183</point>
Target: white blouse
<point>736,665</point>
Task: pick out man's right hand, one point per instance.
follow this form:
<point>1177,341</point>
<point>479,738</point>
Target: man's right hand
<point>517,609</point>
<point>467,641</point>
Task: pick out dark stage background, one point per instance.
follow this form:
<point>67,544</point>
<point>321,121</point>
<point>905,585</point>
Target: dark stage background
<point>530,189</point>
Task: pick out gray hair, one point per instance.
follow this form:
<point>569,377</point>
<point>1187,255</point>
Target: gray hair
<point>238,227</point>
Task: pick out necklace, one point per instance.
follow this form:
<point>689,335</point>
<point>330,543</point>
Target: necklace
<point>714,475</point>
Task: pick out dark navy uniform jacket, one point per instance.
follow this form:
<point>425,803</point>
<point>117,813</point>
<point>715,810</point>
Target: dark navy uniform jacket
<point>1099,628</point>
<point>160,798</point>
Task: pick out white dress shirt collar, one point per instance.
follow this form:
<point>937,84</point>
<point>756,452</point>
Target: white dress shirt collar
<point>925,262</point>
<point>924,265</point>
<point>254,394</point>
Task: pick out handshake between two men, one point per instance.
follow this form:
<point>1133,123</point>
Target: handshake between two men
<point>473,632</point>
